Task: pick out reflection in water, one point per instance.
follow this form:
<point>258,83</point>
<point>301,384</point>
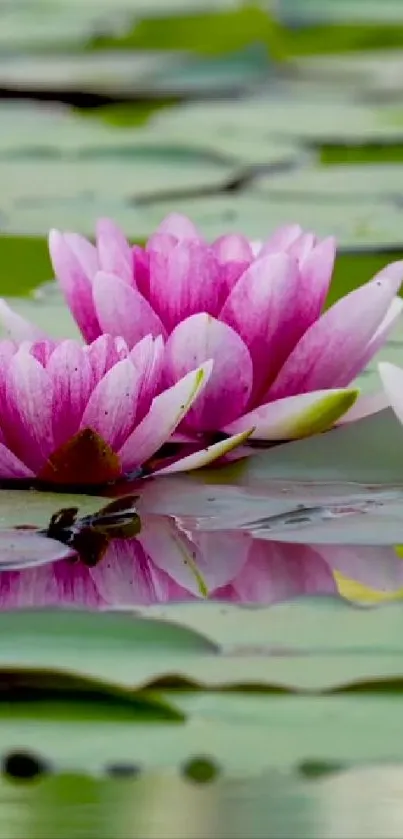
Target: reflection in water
<point>351,804</point>
<point>167,562</point>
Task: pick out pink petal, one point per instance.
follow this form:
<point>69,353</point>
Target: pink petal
<point>125,576</point>
<point>185,280</point>
<point>75,284</point>
<point>197,561</point>
<point>281,239</point>
<point>11,466</point>
<point>375,567</point>
<point>197,339</point>
<point>141,269</point>
<point>316,269</point>
<point>7,351</point>
<point>277,571</point>
<point>71,373</point>
<point>324,356</point>
<point>260,308</point>
<point>16,327</point>
<point>301,247</point>
<point>41,350</point>
<point>392,380</point>
<point>166,412</point>
<point>115,253</point>
<point>27,422</point>
<point>111,410</point>
<point>73,586</point>
<point>123,311</point>
<point>232,248</point>
<point>366,405</point>
<point>178,226</point>
<point>148,358</point>
<point>85,252</point>
<point>104,353</point>
<point>295,416</point>
<point>204,457</point>
<point>378,339</point>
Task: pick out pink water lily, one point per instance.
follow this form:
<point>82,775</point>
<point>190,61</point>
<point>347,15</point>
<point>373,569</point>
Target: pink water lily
<point>281,366</point>
<point>89,414</point>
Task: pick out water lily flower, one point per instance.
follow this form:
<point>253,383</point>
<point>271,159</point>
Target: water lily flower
<point>89,414</point>
<point>281,365</point>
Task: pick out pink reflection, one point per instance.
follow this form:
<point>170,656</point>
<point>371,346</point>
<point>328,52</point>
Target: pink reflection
<point>167,563</point>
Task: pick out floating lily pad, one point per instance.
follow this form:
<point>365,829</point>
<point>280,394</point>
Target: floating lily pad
<point>28,507</point>
<point>343,184</point>
<point>358,223</point>
<point>310,117</point>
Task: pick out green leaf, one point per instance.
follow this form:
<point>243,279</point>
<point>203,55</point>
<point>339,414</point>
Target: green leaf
<point>114,647</point>
<point>28,507</point>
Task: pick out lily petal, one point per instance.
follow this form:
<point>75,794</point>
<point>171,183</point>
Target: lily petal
<point>185,280</point>
<point>84,251</point>
<point>281,239</point>
<point>380,569</point>
<point>148,358</point>
<point>392,380</point>
<point>166,412</point>
<point>111,410</point>
<point>327,351</point>
<point>277,571</point>
<point>197,339</point>
<point>366,405</point>
<point>11,466</point>
<point>179,226</point>
<point>125,576</point>
<point>197,561</point>
<point>260,308</point>
<point>204,457</point>
<point>232,248</point>
<point>379,338</point>
<point>115,254</point>
<point>296,416</point>
<point>71,374</point>
<point>123,311</point>
<point>27,422</point>
<point>104,353</point>
<point>75,283</point>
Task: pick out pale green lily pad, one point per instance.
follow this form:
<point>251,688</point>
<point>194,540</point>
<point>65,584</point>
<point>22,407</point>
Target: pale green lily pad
<point>359,223</point>
<point>20,507</point>
<point>377,73</point>
<point>105,72</point>
<point>39,194</point>
<point>342,11</point>
<point>337,184</point>
<point>309,117</point>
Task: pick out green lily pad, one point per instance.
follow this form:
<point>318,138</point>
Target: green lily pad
<point>356,224</point>
<point>28,507</point>
<point>342,184</point>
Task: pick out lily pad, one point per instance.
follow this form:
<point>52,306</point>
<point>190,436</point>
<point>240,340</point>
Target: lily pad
<point>29,507</point>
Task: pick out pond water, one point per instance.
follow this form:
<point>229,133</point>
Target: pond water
<point>204,658</point>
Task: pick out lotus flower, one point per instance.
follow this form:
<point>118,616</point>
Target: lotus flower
<point>88,415</point>
<point>281,366</point>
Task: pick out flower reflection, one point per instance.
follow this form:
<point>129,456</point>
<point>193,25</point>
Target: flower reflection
<point>167,563</point>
